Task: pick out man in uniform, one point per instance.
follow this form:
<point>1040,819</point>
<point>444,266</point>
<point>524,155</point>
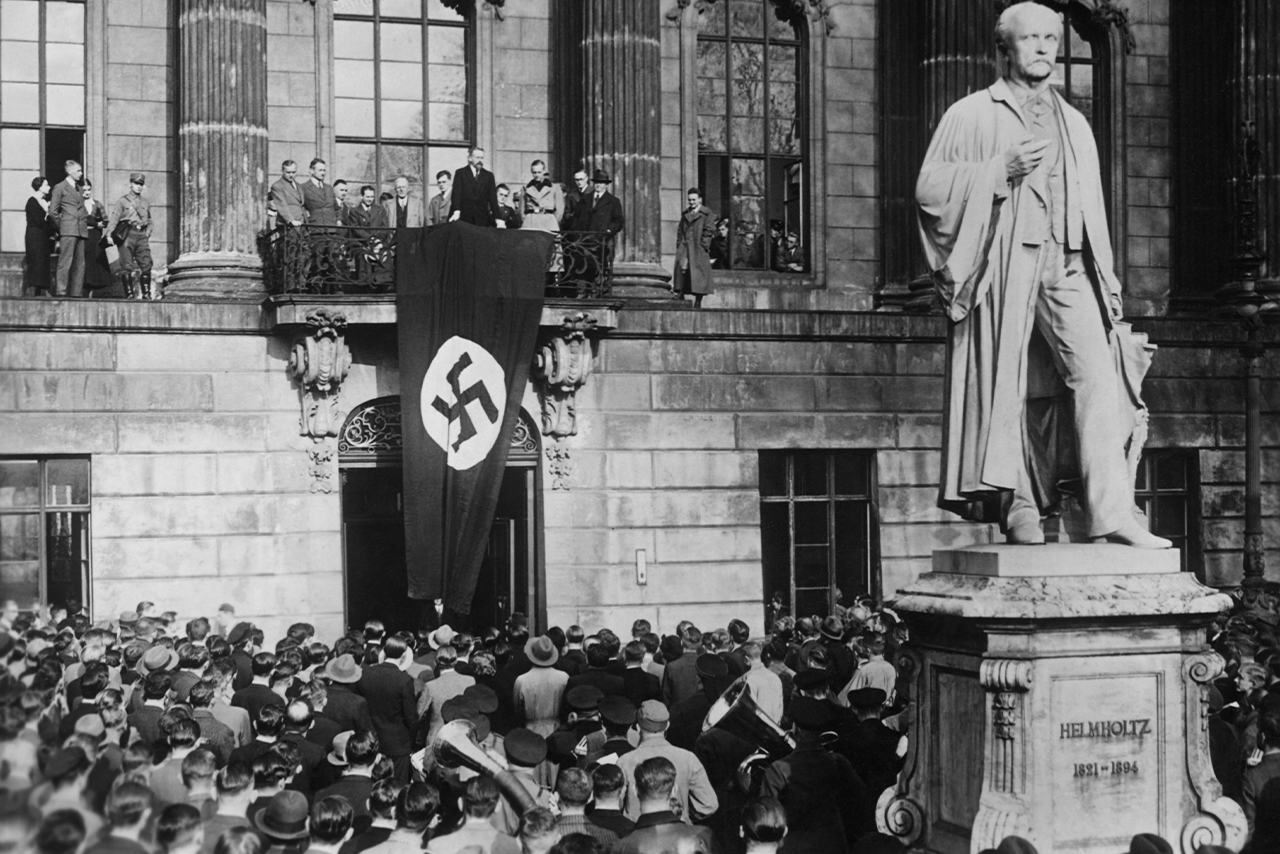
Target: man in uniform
<point>135,249</point>
<point>1014,227</point>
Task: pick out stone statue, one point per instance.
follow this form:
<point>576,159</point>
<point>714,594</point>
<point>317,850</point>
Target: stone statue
<point>1040,393</point>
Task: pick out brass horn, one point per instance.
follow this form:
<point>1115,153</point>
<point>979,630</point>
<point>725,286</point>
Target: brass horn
<point>456,745</point>
<point>738,713</point>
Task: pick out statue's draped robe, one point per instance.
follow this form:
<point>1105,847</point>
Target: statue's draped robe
<point>982,236</point>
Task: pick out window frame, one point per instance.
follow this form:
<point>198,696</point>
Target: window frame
<point>1192,550</point>
<point>42,126</point>
<point>812,107</point>
<point>870,570</point>
<point>42,509</point>
<point>469,25</point>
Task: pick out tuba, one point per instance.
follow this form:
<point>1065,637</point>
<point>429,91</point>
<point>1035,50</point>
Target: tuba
<point>455,745</point>
<point>738,713</point>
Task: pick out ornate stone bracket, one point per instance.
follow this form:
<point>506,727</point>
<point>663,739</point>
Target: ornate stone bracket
<point>897,813</point>
<point>562,365</point>
<point>320,362</point>
<point>787,10</point>
<point>321,468</point>
<point>1005,756</point>
<point>1220,820</point>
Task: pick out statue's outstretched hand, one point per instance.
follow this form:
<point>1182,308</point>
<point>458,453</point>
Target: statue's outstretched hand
<point>1023,158</point>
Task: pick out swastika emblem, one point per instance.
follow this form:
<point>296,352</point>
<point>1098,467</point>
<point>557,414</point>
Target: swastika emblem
<point>464,396</point>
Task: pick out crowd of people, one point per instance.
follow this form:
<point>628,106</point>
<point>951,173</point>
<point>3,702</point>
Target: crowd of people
<point>67,217</point>
<point>150,735</point>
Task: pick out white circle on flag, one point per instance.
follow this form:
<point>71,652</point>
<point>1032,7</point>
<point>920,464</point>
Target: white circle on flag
<point>464,396</point>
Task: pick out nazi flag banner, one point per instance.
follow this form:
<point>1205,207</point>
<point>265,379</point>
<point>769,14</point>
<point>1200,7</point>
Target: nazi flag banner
<point>468,303</point>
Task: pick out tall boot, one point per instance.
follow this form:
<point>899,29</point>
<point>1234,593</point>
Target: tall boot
<point>146,285</point>
<point>126,279</point>
<point>135,285</point>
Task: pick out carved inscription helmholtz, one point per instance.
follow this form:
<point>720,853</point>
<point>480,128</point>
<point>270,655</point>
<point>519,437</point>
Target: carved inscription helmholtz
<point>1106,753</point>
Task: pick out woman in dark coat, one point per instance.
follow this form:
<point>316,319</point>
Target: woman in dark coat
<point>35,275</point>
<point>98,281</point>
<point>693,250</point>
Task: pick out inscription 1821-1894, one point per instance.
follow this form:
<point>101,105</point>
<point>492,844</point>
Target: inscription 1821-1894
<point>1106,755</point>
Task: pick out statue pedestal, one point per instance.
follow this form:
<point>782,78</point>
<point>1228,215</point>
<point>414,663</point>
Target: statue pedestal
<point>1059,693</point>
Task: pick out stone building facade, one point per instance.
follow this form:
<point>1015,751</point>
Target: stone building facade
<point>696,432</point>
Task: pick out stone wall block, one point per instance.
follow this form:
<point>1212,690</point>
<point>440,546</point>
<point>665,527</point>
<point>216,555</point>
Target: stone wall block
<point>879,394</point>
<point>630,469</point>
<point>176,353</point>
<point>254,596</point>
<point>858,431</point>
<point>570,547</point>
<point>104,392</point>
<point>289,554</point>
<point>912,504</point>
<point>908,468</point>
<point>897,573</point>
<point>779,431</point>
<point>733,394</point>
<point>254,392</point>
<point>64,351</point>
<point>194,515</point>
<point>154,474</point>
<point>682,508</point>
<point>187,433</point>
<point>707,545</point>
<point>921,541</point>
<point>62,433</point>
<point>1181,431</point>
<point>700,469</point>
<point>148,558</point>
<point>578,508</point>
<point>666,431</point>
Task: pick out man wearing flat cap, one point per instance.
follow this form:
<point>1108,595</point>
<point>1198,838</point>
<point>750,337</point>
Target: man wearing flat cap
<point>583,735</point>
<point>130,228</point>
<point>692,788</point>
<point>687,715</point>
<point>828,806</point>
<point>875,751</point>
<point>525,750</point>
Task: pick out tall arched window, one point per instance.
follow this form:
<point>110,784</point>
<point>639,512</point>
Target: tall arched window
<point>403,90</point>
<point>42,101</point>
<point>752,104</point>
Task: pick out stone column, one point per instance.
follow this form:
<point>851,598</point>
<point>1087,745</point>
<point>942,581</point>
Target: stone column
<point>610,118</point>
<point>222,147</point>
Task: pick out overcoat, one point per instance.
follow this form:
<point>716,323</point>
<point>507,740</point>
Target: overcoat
<point>693,244</point>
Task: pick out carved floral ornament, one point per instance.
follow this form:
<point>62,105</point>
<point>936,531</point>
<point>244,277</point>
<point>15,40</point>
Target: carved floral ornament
<point>320,362</point>
<point>463,7</point>
<point>563,364</point>
<point>791,11</point>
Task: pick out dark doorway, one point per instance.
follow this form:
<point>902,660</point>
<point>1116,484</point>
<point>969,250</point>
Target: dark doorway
<point>376,581</point>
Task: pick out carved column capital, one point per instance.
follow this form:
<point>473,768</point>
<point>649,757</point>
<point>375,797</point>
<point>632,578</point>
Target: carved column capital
<point>319,362</point>
<point>562,365</point>
<point>1004,675</point>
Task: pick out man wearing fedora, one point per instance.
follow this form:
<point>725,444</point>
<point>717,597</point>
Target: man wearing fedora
<point>538,693</point>
<point>282,823</point>
<point>343,705</point>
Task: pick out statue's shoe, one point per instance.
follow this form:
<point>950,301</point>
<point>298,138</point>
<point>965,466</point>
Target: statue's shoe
<point>1025,532</point>
<point>1133,534</point>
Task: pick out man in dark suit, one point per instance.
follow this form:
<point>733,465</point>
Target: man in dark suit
<point>596,675</point>
<point>318,199</point>
<point>356,783</point>
<point>602,212</point>
<point>343,705</point>
<point>66,208</point>
<point>392,703</point>
<point>638,684</point>
<point>475,192</point>
<point>254,696</point>
<point>297,724</point>
<point>286,195</point>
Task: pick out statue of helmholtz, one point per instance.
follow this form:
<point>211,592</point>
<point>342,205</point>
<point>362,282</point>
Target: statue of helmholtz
<point>1014,227</point>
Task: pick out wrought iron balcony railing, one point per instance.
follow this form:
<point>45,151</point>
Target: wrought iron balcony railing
<point>352,260</point>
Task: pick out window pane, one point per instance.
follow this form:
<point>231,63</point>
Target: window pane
<point>65,63</point>
<point>780,29</point>
<point>68,482</point>
<point>748,135</point>
<point>402,119</point>
<point>775,547</point>
<point>20,149</point>
<point>359,163</point>
<point>65,23</point>
<point>400,8</point>
<point>20,558</point>
<point>1080,48</point>
<point>447,84</point>
<point>20,102</point>
<point>811,523</point>
<point>406,160</point>
<point>773,473</point>
<point>447,45</point>
<point>1171,516</point>
<point>747,97</point>
<point>782,101</point>
<point>747,177</point>
<point>353,78</point>
<point>711,59</point>
<point>784,136</point>
<point>1081,85</point>
<point>67,554</point>
<point>1171,472</point>
<point>748,64</point>
<point>711,95</point>
<point>853,474</point>
<point>852,546</point>
<point>20,19</point>
<point>1140,482</point>
<point>401,42</point>
<point>437,11</point>
<point>811,566</point>
<point>13,229</point>
<point>352,40</point>
<point>448,158</point>
<point>64,105</point>
<point>711,133</point>
<point>810,603</point>
<point>448,122</point>
<point>354,117</point>
<point>20,61</point>
<point>711,19</point>
<point>353,7</point>
<point>19,483</point>
<point>810,474</point>
<point>782,63</point>
<point>746,18</point>
<point>402,81</point>
<point>15,189</point>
